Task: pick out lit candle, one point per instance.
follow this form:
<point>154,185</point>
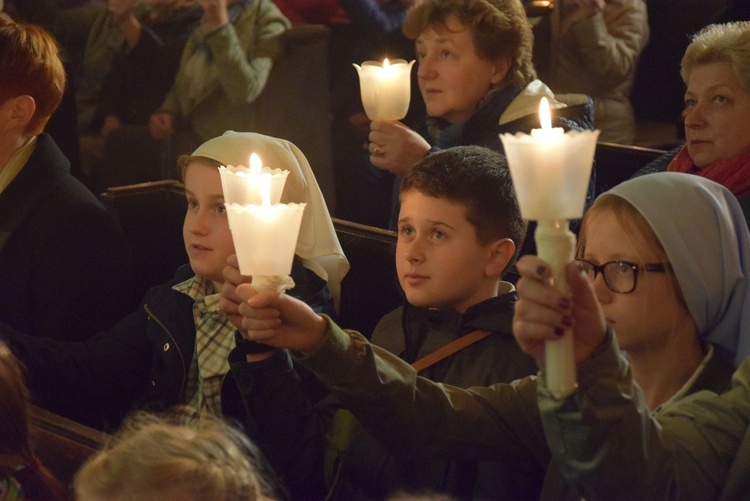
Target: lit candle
<point>385,89</point>
<point>265,237</point>
<point>242,185</point>
<point>550,169</point>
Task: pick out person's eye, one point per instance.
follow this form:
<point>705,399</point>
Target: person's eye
<point>690,103</point>
<point>192,203</point>
<point>221,209</point>
<point>439,235</point>
<point>406,231</point>
<point>622,268</point>
<point>721,99</point>
<point>421,56</point>
<point>445,54</point>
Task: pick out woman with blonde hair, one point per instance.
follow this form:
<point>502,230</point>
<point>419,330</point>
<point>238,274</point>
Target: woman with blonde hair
<point>716,70</point>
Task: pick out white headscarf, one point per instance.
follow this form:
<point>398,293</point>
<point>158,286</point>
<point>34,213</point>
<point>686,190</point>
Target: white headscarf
<point>317,244</point>
<point>704,233</point>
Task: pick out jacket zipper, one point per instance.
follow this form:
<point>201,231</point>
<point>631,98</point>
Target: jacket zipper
<point>174,343</point>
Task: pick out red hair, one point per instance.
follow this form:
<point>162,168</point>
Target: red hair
<point>31,66</point>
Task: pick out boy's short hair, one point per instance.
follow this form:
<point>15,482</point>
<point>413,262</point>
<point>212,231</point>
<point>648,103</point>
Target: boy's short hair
<point>30,65</point>
<point>478,178</point>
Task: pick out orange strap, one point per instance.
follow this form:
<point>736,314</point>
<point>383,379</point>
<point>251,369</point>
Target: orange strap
<point>449,349</point>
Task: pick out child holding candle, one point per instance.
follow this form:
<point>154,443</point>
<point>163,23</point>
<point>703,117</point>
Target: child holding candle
<point>174,348</point>
<point>459,231</point>
<point>681,307</point>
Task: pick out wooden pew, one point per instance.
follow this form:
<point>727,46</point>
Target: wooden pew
<point>61,444</point>
<point>370,289</point>
<point>614,163</point>
<point>151,216</point>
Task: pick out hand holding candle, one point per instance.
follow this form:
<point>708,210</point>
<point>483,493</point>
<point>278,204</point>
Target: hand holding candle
<point>550,169</point>
<point>385,89</point>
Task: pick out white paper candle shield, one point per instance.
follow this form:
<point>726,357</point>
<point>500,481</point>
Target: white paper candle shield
<point>385,88</point>
<point>550,172</point>
<point>265,236</point>
<point>242,185</point>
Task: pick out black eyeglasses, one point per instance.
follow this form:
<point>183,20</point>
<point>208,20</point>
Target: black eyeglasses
<point>619,276</point>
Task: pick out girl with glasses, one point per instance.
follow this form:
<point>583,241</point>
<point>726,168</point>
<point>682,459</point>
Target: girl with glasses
<point>627,240</point>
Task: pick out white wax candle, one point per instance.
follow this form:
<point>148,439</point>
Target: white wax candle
<point>550,169</point>
<point>242,185</point>
<point>385,89</point>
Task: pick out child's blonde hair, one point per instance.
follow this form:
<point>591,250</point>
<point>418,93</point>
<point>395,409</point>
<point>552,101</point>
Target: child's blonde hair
<point>156,457</point>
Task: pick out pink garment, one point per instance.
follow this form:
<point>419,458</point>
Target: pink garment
<point>732,173</point>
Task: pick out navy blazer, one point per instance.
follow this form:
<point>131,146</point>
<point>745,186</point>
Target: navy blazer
<point>65,264</point>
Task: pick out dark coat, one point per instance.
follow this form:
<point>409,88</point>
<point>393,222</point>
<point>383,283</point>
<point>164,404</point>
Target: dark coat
<point>65,264</point>
<point>141,363</point>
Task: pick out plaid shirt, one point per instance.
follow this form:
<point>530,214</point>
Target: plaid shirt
<point>214,339</point>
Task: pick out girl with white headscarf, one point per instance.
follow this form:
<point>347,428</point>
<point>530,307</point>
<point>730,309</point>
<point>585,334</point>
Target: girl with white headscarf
<point>317,244</point>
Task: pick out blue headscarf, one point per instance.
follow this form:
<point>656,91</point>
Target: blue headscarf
<point>704,233</point>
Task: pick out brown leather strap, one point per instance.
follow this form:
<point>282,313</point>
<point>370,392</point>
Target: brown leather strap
<point>449,349</point>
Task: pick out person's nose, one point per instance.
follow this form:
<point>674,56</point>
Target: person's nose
<point>426,68</point>
<point>415,250</point>
<point>199,223</point>
<point>695,117</point>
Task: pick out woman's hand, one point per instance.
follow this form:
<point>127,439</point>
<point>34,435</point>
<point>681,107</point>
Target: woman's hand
<point>161,125</point>
<point>215,13</point>
<point>542,313</point>
<point>395,147</point>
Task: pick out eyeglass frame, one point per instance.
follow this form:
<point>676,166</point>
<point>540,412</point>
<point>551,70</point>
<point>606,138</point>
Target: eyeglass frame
<point>599,269</point>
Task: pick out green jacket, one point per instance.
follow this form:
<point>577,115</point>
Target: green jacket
<point>604,441</point>
<point>420,418</point>
<point>239,59</point>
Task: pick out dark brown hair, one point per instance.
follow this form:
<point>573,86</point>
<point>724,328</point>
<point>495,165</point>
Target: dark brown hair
<point>499,28</point>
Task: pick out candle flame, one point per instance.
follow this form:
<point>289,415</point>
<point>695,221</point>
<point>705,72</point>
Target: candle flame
<point>255,164</point>
<point>265,190</point>
<point>544,114</point>
<point>385,63</point>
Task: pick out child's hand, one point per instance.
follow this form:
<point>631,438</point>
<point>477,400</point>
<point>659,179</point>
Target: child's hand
<point>280,320</point>
<point>230,301</point>
<point>542,312</point>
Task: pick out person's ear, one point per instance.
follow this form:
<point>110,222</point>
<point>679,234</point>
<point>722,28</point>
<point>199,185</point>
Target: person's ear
<point>501,252</point>
<point>22,110</point>
<point>500,69</point>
